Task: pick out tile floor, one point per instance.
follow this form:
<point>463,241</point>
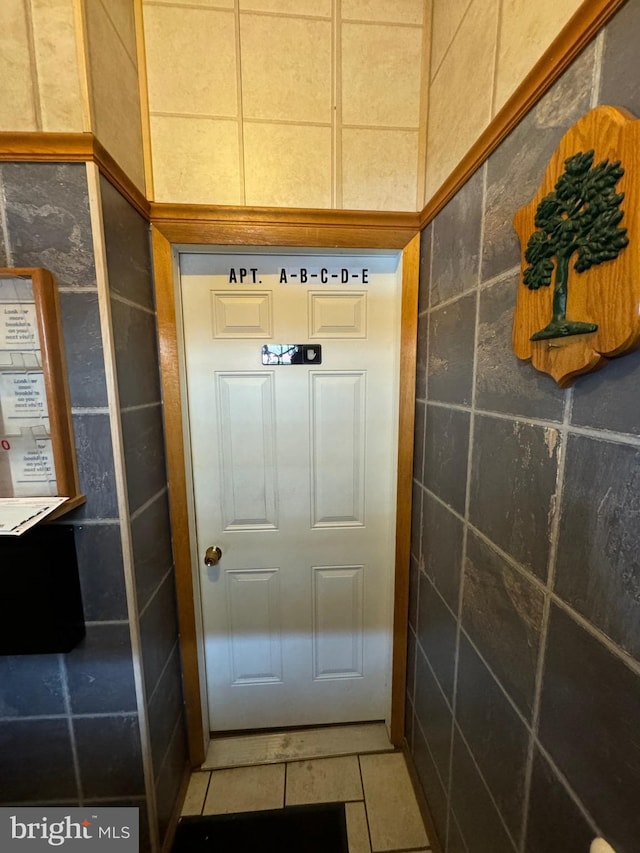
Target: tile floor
<point>352,764</point>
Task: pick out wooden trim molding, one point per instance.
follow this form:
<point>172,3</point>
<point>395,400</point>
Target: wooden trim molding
<point>177,482</point>
<point>71,148</point>
<point>406,411</point>
<point>573,38</point>
<point>164,234</point>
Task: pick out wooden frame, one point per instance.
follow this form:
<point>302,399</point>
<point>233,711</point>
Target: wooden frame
<point>45,294</point>
<point>320,230</point>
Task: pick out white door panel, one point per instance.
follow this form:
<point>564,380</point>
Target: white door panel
<point>294,479</point>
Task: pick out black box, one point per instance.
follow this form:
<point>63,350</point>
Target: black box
<point>40,600</point>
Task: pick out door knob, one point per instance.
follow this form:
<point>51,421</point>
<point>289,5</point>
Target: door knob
<point>212,555</point>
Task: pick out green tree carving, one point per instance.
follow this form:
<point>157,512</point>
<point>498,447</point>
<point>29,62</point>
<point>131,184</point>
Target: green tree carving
<point>582,215</point>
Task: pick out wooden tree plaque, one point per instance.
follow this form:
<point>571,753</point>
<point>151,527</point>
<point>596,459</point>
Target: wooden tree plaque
<point>579,290</point>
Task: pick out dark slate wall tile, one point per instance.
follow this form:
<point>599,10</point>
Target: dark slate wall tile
<point>134,332</point>
<point>109,756</point>
<point>408,721</point>
<point>445,455</point>
<point>421,357</point>
<point>620,69</point>
<point>478,819</point>
<point>456,242</point>
<point>126,236</point>
<point>159,630</point>
<point>37,762</point>
<point>589,724</point>
<point>556,824</point>
<point>83,345</point>
<point>165,708</point>
<point>152,554</point>
<point>452,336</point>
<point>437,636</point>
<point>608,398</point>
<point>416,520</point>
<point>418,441</point>
<point>411,663</point>
<point>170,779</point>
<point>442,535</point>
<point>99,551</point>
<point>431,785</point>
<point>497,737</point>
<point>598,564</point>
<point>100,671</point>
<point>414,583</point>
<point>95,466</point>
<point>425,268</point>
<point>455,843</point>
<point>516,169</point>
<point>502,613</point>
<point>504,383</point>
<point>513,480</point>
<point>48,219</point>
<point>30,686</point>
<point>433,715</point>
<point>143,440</point>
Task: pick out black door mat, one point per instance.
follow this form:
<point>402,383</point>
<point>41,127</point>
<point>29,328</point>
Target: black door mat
<point>318,828</point>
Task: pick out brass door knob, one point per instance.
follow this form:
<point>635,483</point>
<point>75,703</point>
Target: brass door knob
<point>212,555</point>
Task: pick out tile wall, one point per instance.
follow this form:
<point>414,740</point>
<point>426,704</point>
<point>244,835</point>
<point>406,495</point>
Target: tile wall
<point>524,678</point>
<point>136,359</point>
<point>70,730</point>
<point>286,104</point>
<point>481,50</point>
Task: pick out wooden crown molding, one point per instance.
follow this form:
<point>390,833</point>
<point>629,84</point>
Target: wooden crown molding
<point>573,38</point>
<point>40,147</point>
<point>191,223</point>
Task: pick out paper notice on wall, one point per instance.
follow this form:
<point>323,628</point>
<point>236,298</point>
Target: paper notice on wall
<point>19,514</point>
<point>23,401</point>
<point>18,327</point>
<point>26,466</point>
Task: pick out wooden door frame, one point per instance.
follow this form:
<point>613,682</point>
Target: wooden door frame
<point>173,225</point>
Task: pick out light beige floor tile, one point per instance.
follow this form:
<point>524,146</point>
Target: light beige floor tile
<point>357,829</point>
<point>325,780</point>
<point>196,792</point>
<point>245,789</point>
<point>296,745</point>
<point>393,814</point>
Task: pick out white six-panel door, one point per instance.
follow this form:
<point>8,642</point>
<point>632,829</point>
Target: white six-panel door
<point>294,480</point>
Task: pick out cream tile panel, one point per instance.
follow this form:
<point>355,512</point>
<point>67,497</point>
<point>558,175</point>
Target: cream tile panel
<point>379,169</point>
<point>357,829</point>
<point>191,61</point>
<point>18,108</point>
<point>395,822</point>
<point>57,64</point>
<point>526,31</point>
<point>206,4</point>
<point>114,93</point>
<point>315,8</point>
<point>287,165</point>
<point>123,19</point>
<point>286,68</point>
<point>292,745</point>
<point>196,792</point>
<point>195,160</point>
<point>460,96</point>
<point>447,15</point>
<point>245,789</point>
<point>325,780</point>
<point>399,11</point>
<point>381,75</point>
